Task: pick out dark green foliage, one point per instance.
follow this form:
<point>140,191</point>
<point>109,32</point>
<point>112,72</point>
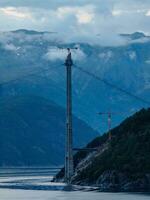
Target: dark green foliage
<point>95,143</point>
<point>82,154</point>
<point>129,151</point>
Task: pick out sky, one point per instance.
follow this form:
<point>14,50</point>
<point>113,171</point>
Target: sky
<point>77,20</point>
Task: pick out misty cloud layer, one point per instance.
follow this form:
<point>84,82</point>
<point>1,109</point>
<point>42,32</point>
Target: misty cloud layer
<point>97,21</point>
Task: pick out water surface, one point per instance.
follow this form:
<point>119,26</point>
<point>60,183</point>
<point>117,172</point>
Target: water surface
<point>8,194</point>
<point>34,184</point>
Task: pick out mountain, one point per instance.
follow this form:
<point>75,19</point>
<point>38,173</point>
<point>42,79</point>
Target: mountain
<point>32,132</point>
<point>122,164</point>
<point>135,36</point>
<point>31,63</point>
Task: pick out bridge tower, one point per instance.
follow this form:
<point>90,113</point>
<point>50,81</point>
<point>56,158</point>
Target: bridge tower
<point>69,138</point>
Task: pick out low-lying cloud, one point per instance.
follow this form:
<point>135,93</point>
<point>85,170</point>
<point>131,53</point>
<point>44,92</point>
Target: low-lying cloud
<point>80,20</point>
<point>55,53</point>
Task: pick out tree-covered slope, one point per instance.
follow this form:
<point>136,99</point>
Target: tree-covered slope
<point>32,132</point>
<point>122,164</point>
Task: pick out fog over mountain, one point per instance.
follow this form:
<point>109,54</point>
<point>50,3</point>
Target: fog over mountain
<point>32,63</point>
<point>76,20</point>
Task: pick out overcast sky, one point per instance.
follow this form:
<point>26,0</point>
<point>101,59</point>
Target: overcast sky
<point>77,19</point>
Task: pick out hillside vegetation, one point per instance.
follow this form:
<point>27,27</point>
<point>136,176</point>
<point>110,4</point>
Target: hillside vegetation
<point>122,164</point>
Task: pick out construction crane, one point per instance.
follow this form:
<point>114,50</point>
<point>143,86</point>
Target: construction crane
<point>109,119</point>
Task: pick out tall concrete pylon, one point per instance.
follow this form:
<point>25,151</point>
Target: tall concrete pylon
<point>69,169</point>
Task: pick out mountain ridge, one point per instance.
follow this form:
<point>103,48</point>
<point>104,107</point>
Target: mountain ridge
<point>31,129</point>
<point>126,66</point>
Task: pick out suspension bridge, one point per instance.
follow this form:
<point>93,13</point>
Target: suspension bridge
<point>69,168</point>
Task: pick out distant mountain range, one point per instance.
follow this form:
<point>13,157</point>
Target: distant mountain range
<point>33,61</point>
<point>32,132</point>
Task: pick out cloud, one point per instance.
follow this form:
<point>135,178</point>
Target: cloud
<point>140,40</point>
<point>126,12</point>
<point>132,55</point>
<point>147,61</point>
<point>10,47</point>
<point>148,13</point>
<point>80,20</point>
<point>15,12</point>
<point>54,53</point>
<point>84,18</point>
<point>106,56</point>
<point>83,14</point>
<point>116,12</point>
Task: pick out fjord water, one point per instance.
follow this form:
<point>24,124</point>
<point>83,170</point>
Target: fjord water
<point>8,194</point>
<point>34,183</point>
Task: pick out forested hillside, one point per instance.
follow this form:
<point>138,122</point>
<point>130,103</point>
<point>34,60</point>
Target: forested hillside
<point>122,164</point>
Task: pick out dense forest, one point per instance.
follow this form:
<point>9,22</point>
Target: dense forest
<point>122,163</point>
